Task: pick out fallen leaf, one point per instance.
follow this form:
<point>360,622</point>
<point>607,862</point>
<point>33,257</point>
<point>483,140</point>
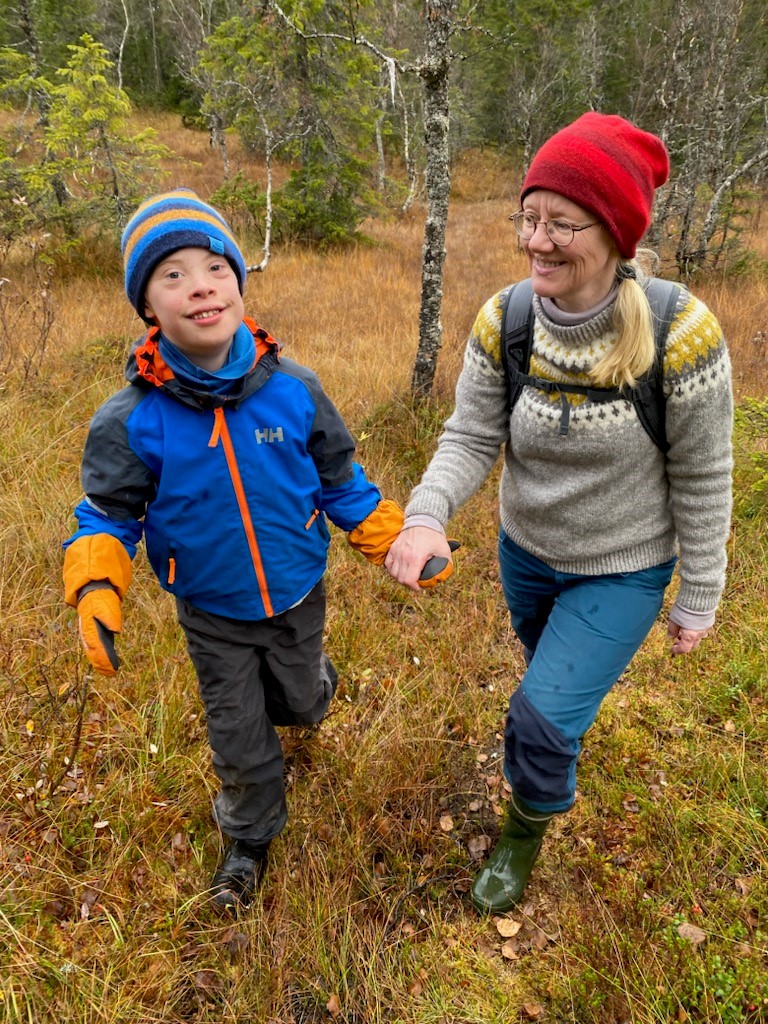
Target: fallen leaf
<point>179,843</point>
<point>729,726</point>
<point>533,1011</point>
<point>477,846</point>
<point>692,933</point>
<point>630,804</point>
<point>416,989</point>
<point>30,726</point>
<point>333,1006</point>
<point>510,950</point>
<point>475,806</point>
<point>235,941</point>
<point>58,908</point>
<point>100,824</point>
<point>446,823</point>
<point>507,927</point>
<point>89,897</point>
<point>207,982</point>
<point>743,885</point>
<point>139,876</point>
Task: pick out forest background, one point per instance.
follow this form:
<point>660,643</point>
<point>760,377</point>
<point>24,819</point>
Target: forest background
<point>334,136</point>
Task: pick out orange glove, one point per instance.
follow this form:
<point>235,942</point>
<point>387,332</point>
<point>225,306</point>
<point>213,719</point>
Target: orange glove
<point>375,535</point>
<point>100,618</point>
<point>98,558</point>
<point>430,578</point>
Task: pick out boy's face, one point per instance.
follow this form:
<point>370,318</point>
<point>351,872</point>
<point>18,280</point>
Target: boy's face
<point>194,297</point>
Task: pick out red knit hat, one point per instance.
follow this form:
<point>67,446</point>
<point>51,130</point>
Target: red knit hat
<point>609,167</point>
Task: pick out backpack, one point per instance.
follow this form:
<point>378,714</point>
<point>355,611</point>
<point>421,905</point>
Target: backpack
<point>648,394</point>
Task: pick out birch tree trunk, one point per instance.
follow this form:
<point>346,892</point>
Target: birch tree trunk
<point>434,69</point>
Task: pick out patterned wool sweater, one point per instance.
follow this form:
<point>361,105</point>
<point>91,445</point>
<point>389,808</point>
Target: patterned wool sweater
<point>601,498</point>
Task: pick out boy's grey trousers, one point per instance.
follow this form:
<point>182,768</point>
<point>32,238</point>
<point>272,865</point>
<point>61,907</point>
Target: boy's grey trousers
<point>252,677</point>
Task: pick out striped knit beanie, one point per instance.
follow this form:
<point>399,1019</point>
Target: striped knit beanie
<point>167,222</point>
<point>609,167</point>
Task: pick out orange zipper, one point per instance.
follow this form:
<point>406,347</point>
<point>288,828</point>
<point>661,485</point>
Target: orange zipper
<point>221,432</point>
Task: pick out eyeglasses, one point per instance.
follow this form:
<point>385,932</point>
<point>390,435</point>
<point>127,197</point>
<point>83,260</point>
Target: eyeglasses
<point>560,231</point>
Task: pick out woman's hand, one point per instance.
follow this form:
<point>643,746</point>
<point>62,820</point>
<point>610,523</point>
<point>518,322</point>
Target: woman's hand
<point>685,640</point>
<point>411,551</point>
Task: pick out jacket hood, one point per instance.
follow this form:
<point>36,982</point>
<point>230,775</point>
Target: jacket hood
<point>146,368</point>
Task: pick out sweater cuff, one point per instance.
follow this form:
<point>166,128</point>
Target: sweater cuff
<point>422,519</point>
<point>687,619</point>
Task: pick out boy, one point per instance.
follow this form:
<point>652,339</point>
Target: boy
<point>227,457</point>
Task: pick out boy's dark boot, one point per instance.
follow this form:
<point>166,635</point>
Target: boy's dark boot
<point>500,883</point>
<point>238,876</point>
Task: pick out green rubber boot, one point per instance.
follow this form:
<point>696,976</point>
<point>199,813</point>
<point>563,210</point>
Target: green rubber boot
<point>500,883</point>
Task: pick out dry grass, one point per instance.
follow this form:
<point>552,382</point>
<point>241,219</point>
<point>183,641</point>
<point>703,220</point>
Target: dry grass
<point>363,917</point>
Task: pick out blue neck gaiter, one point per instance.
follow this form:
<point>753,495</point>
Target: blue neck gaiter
<point>239,361</point>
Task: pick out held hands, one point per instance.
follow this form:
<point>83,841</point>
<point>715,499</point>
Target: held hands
<point>684,640</point>
<point>411,551</point>
<point>380,533</point>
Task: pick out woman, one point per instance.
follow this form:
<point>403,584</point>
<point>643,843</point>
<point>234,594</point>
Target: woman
<point>593,514</point>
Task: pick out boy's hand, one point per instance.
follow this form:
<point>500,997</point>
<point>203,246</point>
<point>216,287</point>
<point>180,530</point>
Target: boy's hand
<point>437,569</point>
<point>97,573</point>
<point>100,618</point>
<point>98,556</point>
<point>374,536</point>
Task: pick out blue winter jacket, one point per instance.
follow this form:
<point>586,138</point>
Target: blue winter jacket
<point>230,491</point>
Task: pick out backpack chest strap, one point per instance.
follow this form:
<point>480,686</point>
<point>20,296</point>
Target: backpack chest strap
<point>551,387</point>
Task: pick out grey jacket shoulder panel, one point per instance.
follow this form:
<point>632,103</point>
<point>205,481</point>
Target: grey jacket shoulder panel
<point>114,478</point>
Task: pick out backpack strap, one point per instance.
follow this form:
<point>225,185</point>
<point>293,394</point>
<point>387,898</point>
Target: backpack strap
<point>648,394</point>
<point>517,336</point>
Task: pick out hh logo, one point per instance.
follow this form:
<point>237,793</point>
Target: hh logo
<point>269,434</point>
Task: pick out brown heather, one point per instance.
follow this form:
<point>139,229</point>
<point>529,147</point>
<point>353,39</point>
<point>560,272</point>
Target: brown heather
<point>649,901</point>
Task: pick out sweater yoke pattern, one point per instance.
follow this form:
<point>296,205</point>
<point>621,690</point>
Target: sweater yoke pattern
<point>695,361</point>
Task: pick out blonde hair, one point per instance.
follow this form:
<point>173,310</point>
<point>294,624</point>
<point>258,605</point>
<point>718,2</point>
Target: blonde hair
<point>633,352</point>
